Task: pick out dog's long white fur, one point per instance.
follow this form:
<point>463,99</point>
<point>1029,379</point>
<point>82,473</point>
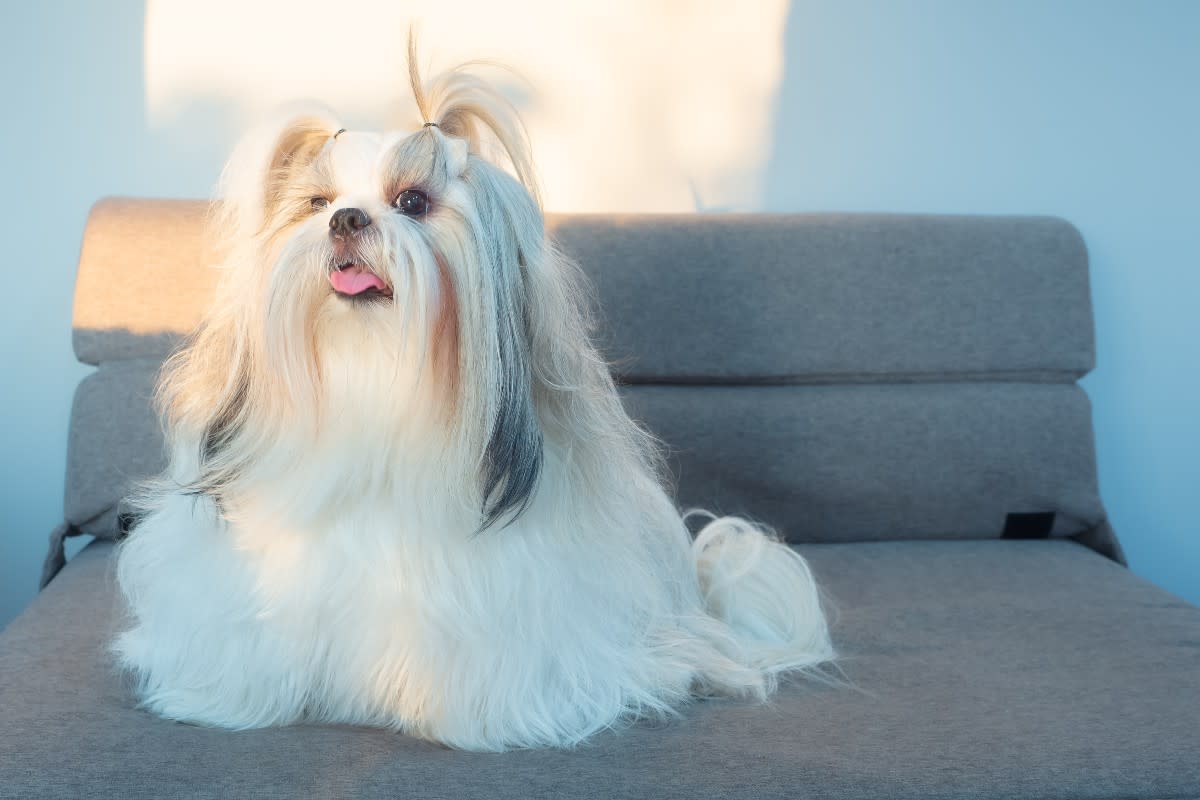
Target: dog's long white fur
<point>319,547</point>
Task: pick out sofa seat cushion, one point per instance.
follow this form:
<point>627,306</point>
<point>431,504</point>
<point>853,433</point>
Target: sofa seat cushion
<point>986,668</point>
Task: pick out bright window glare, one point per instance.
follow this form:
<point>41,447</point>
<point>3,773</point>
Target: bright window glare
<point>672,113</point>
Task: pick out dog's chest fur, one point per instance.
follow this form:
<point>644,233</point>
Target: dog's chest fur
<point>387,610</point>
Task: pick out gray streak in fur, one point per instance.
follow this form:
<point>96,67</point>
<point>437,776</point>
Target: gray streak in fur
<point>513,458</point>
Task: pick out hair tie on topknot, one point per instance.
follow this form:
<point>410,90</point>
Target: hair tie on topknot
<point>432,124</point>
<point>339,133</point>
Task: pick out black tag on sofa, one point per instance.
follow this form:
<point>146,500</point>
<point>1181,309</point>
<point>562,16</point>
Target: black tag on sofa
<point>1033,525</point>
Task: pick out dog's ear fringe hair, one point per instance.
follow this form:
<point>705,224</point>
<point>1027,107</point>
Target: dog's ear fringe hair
<point>263,162</point>
<point>513,453</point>
<point>465,106</point>
<point>462,105</point>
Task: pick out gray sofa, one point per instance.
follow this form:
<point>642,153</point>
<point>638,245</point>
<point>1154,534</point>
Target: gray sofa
<point>896,394</point>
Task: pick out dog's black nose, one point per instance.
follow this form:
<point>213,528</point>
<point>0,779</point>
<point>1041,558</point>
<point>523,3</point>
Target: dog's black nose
<point>348,221</point>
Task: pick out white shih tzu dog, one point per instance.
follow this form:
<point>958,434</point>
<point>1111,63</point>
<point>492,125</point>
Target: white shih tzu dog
<point>402,489</point>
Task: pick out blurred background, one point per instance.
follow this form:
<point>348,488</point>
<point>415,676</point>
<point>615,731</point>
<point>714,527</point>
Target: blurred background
<point>1085,109</point>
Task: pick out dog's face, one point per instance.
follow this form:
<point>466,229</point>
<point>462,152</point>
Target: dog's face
<point>361,219</point>
<point>390,230</point>
<point>356,254</point>
<point>371,200</point>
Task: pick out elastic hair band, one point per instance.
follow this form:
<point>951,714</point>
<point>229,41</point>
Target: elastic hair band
<point>431,124</point>
<point>339,133</point>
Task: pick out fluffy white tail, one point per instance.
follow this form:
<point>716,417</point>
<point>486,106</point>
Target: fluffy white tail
<point>764,591</point>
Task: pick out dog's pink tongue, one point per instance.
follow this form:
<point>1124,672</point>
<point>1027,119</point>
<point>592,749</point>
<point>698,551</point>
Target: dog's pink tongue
<point>355,280</point>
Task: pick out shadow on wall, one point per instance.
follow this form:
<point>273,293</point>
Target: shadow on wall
<point>187,150</point>
<point>78,133</point>
<point>88,136</point>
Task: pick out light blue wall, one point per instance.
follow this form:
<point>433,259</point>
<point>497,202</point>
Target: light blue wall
<point>1088,110</point>
<point>69,100</point>
<point>73,130</point>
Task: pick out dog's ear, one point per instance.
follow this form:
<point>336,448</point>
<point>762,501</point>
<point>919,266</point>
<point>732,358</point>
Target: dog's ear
<point>508,228</point>
<point>495,305</point>
<point>264,162</point>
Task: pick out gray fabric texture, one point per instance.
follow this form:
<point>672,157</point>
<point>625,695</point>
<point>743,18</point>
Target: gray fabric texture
<point>882,461</point>
<point>818,463</point>
<point>984,669</point>
<point>145,277</point>
<point>815,298</point>
<point>114,440</point>
<point>716,297</point>
<point>56,556</point>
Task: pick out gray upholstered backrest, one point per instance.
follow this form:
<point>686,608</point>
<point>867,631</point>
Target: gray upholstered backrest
<point>841,377</point>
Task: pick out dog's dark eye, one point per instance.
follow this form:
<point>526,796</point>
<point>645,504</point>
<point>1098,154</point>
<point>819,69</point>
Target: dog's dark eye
<point>318,203</point>
<point>412,202</point>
